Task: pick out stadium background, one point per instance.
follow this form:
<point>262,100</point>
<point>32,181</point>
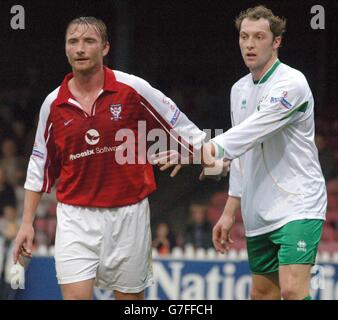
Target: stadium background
<point>189,50</point>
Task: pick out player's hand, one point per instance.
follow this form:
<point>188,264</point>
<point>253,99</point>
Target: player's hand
<point>168,159</point>
<point>221,233</point>
<point>24,242</point>
<point>219,170</point>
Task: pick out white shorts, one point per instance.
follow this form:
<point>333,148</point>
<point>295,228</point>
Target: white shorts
<point>112,245</point>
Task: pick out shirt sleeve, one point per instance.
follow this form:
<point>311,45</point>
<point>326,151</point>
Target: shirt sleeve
<point>286,103</point>
<point>235,175</point>
<point>43,167</point>
<point>235,179</point>
<point>163,113</point>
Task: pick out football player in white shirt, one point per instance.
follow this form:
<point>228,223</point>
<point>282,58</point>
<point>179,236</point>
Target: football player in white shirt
<point>275,176</point>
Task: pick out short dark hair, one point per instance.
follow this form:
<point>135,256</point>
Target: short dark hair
<point>99,26</point>
<point>277,24</point>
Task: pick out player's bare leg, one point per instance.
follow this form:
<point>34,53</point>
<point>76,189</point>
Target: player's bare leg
<point>129,296</point>
<point>82,290</point>
<point>295,281</point>
<point>265,287</point>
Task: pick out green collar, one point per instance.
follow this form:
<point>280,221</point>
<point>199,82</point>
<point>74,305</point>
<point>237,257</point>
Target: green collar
<point>268,73</point>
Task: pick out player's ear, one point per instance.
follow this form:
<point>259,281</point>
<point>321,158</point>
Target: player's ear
<point>277,42</point>
<point>106,48</point>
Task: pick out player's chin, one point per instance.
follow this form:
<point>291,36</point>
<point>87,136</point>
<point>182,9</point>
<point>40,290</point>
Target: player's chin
<point>250,63</point>
<point>81,68</point>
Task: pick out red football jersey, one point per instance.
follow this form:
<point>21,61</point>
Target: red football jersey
<point>87,153</point>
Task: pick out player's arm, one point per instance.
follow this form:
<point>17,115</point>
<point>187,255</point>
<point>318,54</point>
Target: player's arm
<point>221,231</point>
<point>273,114</point>
<point>162,112</point>
<point>41,174</point>
<point>211,156</point>
<point>25,236</point>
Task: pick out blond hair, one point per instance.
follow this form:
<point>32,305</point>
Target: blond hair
<point>98,25</point>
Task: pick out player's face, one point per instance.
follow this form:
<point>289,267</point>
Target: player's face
<point>84,48</point>
<point>257,43</point>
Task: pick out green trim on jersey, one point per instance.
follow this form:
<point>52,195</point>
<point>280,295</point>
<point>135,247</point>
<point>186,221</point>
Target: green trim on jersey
<point>294,243</point>
<point>219,151</point>
<point>300,108</point>
<point>268,73</point>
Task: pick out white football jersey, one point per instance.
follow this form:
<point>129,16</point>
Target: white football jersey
<point>275,170</point>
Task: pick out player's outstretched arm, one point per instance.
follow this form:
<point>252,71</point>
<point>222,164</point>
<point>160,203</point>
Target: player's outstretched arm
<point>206,156</point>
<point>168,159</point>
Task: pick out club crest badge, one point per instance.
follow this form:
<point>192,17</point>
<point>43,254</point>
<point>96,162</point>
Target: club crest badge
<point>115,110</point>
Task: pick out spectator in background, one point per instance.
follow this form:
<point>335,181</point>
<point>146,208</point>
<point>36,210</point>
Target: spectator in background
<point>199,231</point>
<point>14,165</point>
<point>326,158</point>
<point>41,236</point>
<point>30,136</point>
<point>164,240</point>
<point>6,114</point>
<point>7,193</point>
<point>19,135</point>
<point>8,223</point>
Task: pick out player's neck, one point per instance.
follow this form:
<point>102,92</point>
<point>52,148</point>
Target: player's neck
<point>257,74</point>
<point>89,81</point>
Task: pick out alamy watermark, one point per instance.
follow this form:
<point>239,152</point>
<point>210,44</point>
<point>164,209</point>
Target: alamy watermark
<point>18,19</point>
<point>156,146</point>
<point>318,20</point>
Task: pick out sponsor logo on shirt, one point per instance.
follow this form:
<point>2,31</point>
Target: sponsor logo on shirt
<point>82,154</point>
<point>92,137</point>
<point>175,117</point>
<point>115,110</point>
<point>283,101</point>
<point>91,152</point>
<point>301,246</point>
<point>66,123</point>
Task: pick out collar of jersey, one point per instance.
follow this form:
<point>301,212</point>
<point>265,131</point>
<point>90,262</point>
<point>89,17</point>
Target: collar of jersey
<point>268,73</point>
<point>64,93</point>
